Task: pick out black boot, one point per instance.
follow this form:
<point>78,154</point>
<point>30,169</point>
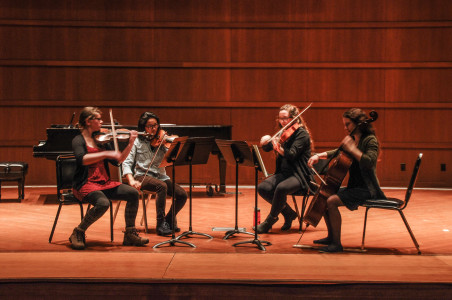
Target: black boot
<point>77,239</point>
<point>265,226</point>
<point>163,228</point>
<point>289,215</point>
<point>169,220</point>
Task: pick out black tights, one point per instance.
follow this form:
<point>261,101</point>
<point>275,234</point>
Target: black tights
<point>100,200</point>
<point>275,189</point>
<point>333,219</point>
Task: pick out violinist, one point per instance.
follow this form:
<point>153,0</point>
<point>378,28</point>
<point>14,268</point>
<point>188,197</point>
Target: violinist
<point>291,172</point>
<point>141,174</point>
<point>92,181</point>
<point>363,147</point>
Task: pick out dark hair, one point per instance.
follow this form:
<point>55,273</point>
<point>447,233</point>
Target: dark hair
<point>144,119</point>
<point>293,112</point>
<point>358,116</point>
<point>87,113</point>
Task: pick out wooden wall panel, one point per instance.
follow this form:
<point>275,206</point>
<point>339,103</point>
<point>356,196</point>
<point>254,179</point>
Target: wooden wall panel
<point>232,63</point>
<point>418,85</point>
<point>268,45</point>
<point>346,85</point>
<point>206,45</point>
<point>431,44</point>
<point>192,84</point>
<point>248,85</point>
<point>73,84</point>
<point>79,10</point>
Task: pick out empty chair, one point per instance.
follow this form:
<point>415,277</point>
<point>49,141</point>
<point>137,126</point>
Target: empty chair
<point>395,204</point>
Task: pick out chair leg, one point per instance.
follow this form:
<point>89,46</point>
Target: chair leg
<point>116,211</point>
<point>364,229</point>
<point>111,220</point>
<point>296,207</point>
<point>81,211</point>
<point>303,209</point>
<point>55,222</point>
<point>145,201</point>
<point>409,230</point>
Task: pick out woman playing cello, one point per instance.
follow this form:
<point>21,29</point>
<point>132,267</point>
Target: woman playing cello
<point>363,147</point>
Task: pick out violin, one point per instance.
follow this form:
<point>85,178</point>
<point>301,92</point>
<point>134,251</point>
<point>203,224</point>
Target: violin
<point>288,133</point>
<point>332,181</point>
<point>105,136</point>
<point>162,138</point>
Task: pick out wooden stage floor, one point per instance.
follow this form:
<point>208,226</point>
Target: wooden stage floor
<point>390,266</point>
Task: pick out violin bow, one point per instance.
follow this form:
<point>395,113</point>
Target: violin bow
<point>113,131</point>
<point>153,158</point>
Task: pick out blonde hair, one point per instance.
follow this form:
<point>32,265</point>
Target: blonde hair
<point>87,113</point>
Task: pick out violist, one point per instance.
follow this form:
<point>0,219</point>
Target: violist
<point>291,172</point>
<point>363,147</point>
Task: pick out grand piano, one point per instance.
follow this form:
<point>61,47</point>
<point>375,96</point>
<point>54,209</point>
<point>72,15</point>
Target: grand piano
<point>59,142</point>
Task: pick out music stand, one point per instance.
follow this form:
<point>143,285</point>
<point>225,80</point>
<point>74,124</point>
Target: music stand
<point>236,153</point>
<point>258,166</point>
<point>195,151</point>
<point>170,159</point>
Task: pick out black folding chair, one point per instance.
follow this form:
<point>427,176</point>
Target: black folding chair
<point>65,169</point>
<point>395,204</point>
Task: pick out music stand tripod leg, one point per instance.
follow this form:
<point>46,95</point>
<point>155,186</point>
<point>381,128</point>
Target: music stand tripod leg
<point>190,229</point>
<point>173,239</point>
<point>236,230</point>
<point>256,240</point>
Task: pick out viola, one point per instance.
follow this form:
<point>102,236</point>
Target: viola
<point>332,181</point>
<point>162,138</point>
<point>105,136</point>
<point>288,133</point>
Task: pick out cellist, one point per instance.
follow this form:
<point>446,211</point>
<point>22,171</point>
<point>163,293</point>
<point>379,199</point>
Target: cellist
<point>291,175</point>
<point>362,145</point>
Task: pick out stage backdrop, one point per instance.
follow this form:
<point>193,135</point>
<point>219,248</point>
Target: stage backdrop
<point>233,62</point>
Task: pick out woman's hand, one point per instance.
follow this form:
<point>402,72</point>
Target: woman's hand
<point>313,160</point>
<point>135,184</point>
<point>349,144</point>
<point>133,136</point>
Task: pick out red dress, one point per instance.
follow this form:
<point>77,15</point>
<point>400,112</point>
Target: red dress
<point>98,178</point>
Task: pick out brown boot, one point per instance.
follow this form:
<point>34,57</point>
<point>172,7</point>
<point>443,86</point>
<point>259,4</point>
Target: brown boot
<point>131,238</point>
<point>77,239</point>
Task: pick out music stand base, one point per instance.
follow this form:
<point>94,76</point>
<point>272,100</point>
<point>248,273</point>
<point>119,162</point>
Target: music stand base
<point>172,242</point>
<point>230,233</point>
<point>187,233</point>
<point>256,242</point>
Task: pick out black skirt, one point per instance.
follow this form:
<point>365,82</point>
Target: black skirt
<point>353,197</point>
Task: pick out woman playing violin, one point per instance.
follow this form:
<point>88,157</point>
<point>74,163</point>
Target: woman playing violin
<point>363,184</point>
<point>92,179</point>
<point>291,173</point>
<point>142,175</point>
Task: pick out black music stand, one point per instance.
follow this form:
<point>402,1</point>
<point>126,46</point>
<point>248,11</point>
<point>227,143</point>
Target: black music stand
<point>170,159</point>
<point>195,151</point>
<point>258,166</point>
<point>236,153</point>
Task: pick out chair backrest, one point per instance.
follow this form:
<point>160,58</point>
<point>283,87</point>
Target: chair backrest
<point>65,170</point>
<point>410,188</point>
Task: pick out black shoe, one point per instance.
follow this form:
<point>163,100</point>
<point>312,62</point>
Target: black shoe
<point>163,229</point>
<point>265,226</point>
<point>324,241</point>
<point>289,216</point>
<point>169,220</point>
<point>77,239</point>
<point>331,248</point>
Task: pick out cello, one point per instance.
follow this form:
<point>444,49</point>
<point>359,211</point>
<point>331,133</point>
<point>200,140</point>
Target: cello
<point>332,181</point>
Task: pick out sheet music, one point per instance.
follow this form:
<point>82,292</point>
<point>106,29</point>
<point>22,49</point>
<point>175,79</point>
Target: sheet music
<point>260,161</point>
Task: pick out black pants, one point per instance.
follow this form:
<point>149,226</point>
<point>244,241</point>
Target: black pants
<point>275,189</point>
<point>162,189</point>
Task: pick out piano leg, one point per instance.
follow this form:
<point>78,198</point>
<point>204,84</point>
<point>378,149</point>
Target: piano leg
<point>222,168</point>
